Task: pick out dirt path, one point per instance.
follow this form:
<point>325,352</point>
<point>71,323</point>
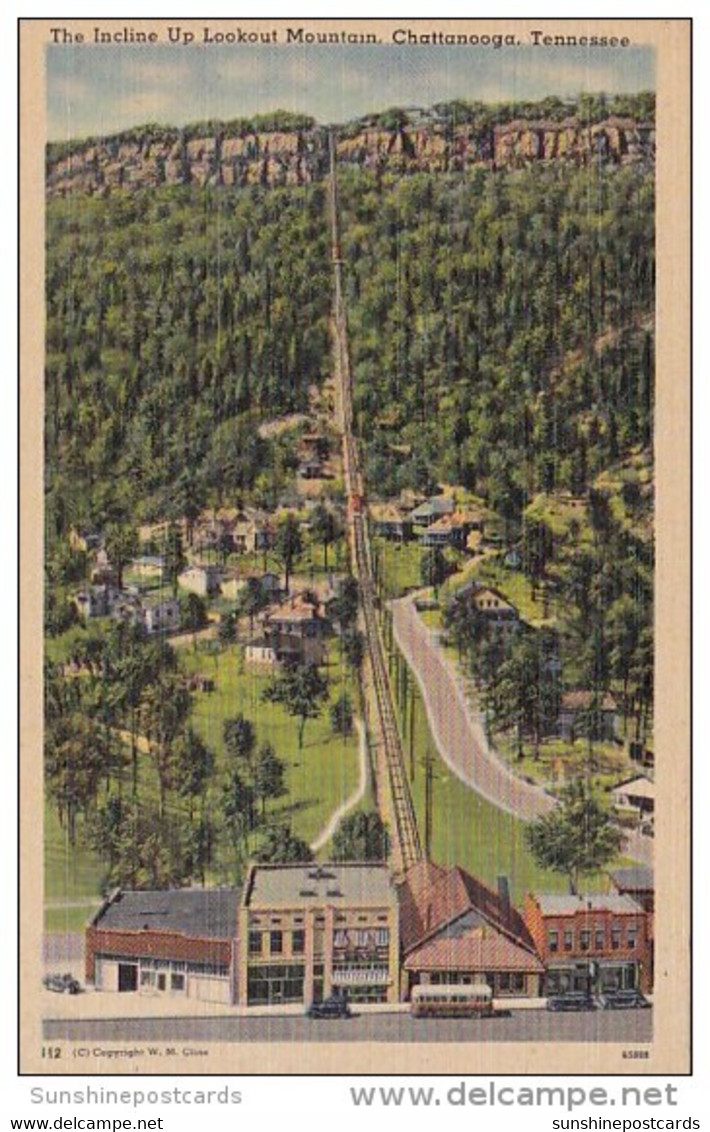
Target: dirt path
<point>349,804</point>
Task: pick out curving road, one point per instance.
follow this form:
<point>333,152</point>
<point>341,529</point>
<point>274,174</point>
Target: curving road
<point>457,731</point>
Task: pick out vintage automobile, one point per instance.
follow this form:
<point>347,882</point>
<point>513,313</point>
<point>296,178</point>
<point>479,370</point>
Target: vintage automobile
<point>62,984</point>
<point>622,1000</point>
<point>334,1007</point>
<point>571,1000</point>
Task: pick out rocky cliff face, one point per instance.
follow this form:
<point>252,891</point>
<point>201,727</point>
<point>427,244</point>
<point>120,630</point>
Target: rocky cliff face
<point>296,158</point>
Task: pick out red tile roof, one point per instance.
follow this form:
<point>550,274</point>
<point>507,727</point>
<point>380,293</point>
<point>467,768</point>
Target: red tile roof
<point>433,898</point>
<point>480,948</point>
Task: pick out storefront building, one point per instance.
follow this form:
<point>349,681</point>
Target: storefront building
<point>309,931</point>
<point>180,942</point>
<point>591,943</point>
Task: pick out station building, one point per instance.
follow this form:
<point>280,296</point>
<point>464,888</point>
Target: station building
<point>457,930</point>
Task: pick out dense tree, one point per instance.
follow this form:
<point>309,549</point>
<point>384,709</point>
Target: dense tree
<point>147,850</point>
<point>165,711</point>
<point>303,690</point>
<point>74,764</point>
<point>280,846</point>
<point>252,599</point>
<point>237,809</point>
<point>174,556</point>
<point>269,773</point>
<point>240,738</point>
<point>193,613</point>
<point>341,715</point>
<point>524,691</point>
<point>577,838</point>
<point>193,765</point>
<point>344,606</point>
<point>361,837</point>
<point>121,543</point>
<point>325,527</point>
<point>288,545</point>
<point>433,568</point>
<point>353,645</point>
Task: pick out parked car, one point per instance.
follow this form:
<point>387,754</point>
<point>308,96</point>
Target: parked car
<point>622,1000</point>
<point>62,984</point>
<point>571,1000</point>
<point>333,1007</point>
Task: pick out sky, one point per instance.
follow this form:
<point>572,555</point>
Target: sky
<point>101,89</point>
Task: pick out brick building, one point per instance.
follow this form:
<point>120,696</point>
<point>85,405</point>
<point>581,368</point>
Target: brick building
<point>594,942</point>
<point>179,942</point>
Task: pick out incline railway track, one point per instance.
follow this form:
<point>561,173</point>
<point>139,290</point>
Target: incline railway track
<point>406,847</point>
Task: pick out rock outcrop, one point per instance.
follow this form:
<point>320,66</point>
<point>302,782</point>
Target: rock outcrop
<point>300,157</point>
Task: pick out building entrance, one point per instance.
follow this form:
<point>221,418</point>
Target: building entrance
<point>127,976</point>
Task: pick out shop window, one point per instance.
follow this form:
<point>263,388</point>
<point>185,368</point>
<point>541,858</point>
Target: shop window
<point>275,984</point>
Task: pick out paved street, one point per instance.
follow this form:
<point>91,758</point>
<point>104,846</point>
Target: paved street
<point>627,1026</point>
<point>458,734</point>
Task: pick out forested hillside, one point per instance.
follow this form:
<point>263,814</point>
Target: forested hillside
<point>501,326</point>
<point>175,320</point>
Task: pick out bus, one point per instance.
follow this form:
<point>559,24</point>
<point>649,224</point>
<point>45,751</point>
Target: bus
<point>466,1001</point>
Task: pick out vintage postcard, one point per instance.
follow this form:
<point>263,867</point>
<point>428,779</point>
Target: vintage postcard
<point>355,546</point>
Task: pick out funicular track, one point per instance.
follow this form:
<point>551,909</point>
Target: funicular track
<point>406,848</point>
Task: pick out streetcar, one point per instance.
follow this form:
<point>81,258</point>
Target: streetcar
<point>474,1000</point>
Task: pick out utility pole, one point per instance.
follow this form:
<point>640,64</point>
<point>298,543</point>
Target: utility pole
<point>428,802</point>
<point>411,731</point>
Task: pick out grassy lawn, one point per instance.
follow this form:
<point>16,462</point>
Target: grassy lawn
<point>469,831</point>
<point>561,761</point>
<point>318,778</point>
<point>72,878</point>
<point>398,564</point>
